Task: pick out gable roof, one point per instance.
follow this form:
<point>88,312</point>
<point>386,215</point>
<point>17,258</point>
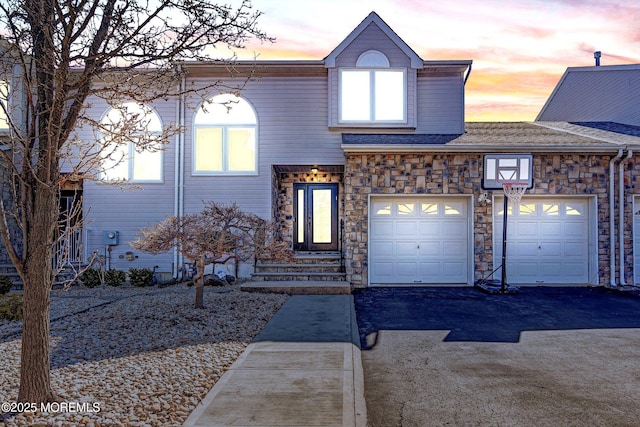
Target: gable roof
<point>598,93</point>
<point>373,18</point>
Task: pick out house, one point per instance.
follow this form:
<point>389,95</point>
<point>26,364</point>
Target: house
<point>365,156</point>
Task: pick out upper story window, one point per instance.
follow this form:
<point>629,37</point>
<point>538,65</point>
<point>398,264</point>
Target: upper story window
<point>225,137</point>
<point>373,92</point>
<point>136,157</point>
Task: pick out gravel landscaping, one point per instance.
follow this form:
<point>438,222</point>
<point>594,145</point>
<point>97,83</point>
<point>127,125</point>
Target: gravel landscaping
<point>136,356</point>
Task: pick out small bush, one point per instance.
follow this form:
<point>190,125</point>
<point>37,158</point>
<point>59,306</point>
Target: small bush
<point>141,277</point>
<point>5,284</point>
<point>114,277</point>
<point>91,277</point>
<point>11,307</point>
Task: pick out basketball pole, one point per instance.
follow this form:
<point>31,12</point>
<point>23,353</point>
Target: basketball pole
<point>503,285</point>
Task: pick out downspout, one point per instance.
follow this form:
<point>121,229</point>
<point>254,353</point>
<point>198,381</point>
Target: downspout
<point>178,167</point>
<point>621,204</point>
<point>612,220</point>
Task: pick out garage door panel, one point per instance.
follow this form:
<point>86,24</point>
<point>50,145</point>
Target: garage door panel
<point>455,249</point>
<point>406,249</point>
<point>523,249</point>
<point>430,249</point>
<point>383,228</point>
<point>574,249</point>
<point>526,228</point>
<point>429,229</point>
<point>573,229</point>
<point>551,249</point>
<point>453,229</point>
<point>575,270</point>
<point>430,239</point>
<point>382,249</point>
<point>551,229</point>
<point>406,270</point>
<point>406,228</point>
<point>430,269</point>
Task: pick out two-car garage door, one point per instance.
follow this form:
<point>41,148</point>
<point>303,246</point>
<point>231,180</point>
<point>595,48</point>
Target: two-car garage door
<point>419,240</point>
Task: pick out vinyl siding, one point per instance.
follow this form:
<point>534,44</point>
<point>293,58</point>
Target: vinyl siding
<point>599,94</point>
<point>292,130</point>
<point>440,104</point>
<point>110,208</point>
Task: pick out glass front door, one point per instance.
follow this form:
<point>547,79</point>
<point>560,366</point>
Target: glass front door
<point>315,217</point>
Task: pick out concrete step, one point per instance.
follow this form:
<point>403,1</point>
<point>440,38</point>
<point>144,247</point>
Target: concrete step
<point>299,287</point>
<point>298,276</point>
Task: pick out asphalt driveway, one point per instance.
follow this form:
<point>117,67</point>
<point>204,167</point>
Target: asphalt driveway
<point>456,356</point>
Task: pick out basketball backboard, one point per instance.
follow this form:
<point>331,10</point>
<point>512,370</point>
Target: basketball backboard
<point>504,167</point>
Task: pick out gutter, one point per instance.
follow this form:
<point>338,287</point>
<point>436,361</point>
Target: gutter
<point>612,220</point>
<point>471,148</point>
<point>621,204</point>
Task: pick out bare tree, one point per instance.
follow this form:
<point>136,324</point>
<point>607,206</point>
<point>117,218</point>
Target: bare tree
<point>57,55</point>
<point>216,232</point>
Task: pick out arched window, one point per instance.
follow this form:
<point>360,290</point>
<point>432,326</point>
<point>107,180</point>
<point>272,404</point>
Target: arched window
<point>373,92</point>
<point>225,137</point>
<point>130,147</point>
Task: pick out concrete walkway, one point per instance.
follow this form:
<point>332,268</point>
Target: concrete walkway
<point>304,369</point>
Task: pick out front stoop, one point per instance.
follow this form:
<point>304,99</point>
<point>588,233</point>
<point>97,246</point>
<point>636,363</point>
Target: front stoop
<point>306,266</point>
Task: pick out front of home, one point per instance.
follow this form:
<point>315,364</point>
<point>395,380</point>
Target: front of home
<point>366,155</point>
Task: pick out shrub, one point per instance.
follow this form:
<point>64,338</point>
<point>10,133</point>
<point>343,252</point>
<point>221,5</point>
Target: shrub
<point>11,307</point>
<point>114,277</point>
<point>91,277</point>
<point>141,277</point>
<point>5,284</point>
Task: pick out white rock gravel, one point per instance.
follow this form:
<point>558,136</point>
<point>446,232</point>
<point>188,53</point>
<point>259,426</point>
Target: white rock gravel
<point>144,356</point>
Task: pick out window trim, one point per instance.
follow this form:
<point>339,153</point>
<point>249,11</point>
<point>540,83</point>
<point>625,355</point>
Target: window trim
<point>130,152</point>
<point>225,143</point>
<point>372,95</point>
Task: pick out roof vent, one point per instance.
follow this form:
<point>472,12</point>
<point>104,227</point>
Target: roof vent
<point>597,56</point>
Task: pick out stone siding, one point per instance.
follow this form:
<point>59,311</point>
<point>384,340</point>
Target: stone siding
<point>442,174</point>
<point>284,200</point>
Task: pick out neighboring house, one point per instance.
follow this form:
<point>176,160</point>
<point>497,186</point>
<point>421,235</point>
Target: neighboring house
<point>602,102</point>
<point>366,155</point>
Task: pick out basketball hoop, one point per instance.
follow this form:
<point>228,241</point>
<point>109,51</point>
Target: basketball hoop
<point>514,190</point>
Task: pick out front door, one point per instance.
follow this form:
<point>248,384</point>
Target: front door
<point>315,209</point>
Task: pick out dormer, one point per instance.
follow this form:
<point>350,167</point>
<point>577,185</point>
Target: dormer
<point>372,79</point>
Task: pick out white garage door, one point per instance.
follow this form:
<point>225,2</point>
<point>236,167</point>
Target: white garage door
<point>547,240</point>
<point>419,240</point>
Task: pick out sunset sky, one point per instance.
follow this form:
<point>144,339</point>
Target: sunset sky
<point>519,48</point>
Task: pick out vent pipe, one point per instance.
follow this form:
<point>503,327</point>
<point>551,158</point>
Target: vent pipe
<point>597,56</point>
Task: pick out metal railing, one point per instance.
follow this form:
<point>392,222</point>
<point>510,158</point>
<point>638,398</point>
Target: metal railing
<point>68,249</point>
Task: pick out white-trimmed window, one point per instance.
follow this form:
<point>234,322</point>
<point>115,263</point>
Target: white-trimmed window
<point>373,92</point>
<point>225,137</point>
<point>134,157</point>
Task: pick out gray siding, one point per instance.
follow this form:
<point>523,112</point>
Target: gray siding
<point>110,208</point>
<point>373,38</point>
<point>596,94</point>
<point>440,104</point>
<point>292,130</point>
